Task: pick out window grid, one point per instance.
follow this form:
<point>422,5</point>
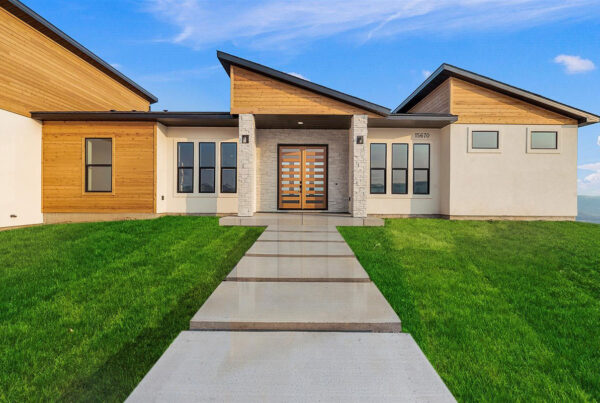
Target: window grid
<point>416,171</point>
<point>398,167</point>
<point>92,165</point>
<point>229,167</point>
<point>183,168</point>
<point>378,169</point>
<point>206,167</point>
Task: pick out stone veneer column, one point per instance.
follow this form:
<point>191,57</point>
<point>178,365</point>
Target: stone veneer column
<point>358,167</point>
<point>247,166</point>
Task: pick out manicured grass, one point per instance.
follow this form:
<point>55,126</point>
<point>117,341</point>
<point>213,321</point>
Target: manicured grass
<point>504,311</point>
<point>88,308</point>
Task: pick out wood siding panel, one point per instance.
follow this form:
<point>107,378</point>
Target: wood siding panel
<point>134,161</point>
<point>438,101</point>
<point>475,104</point>
<point>255,93</point>
<point>37,74</point>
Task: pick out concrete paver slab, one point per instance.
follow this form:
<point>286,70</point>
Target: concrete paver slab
<point>300,236</point>
<point>298,269</point>
<point>296,306</point>
<point>292,367</point>
<point>300,248</point>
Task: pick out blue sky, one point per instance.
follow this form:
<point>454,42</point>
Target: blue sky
<point>379,50</point>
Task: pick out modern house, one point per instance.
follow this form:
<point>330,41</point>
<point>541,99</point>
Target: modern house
<point>79,142</point>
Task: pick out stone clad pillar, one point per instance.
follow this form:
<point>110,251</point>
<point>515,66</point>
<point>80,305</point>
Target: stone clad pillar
<point>247,166</point>
<point>358,164</point>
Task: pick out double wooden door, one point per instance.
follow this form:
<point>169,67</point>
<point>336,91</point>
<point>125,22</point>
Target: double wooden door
<point>302,177</point>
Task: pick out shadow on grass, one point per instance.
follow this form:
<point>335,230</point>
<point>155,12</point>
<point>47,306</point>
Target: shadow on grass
<point>121,373</point>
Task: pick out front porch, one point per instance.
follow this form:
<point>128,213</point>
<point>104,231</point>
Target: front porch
<point>301,219</point>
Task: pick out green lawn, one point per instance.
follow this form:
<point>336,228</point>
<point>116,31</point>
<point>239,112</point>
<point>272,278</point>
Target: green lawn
<point>86,309</point>
<point>504,311</point>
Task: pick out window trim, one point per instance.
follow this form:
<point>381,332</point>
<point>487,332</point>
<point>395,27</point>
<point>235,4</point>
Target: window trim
<point>400,169</point>
<point>184,167</point>
<point>86,165</point>
<point>544,148</point>
<point>222,167</point>
<point>485,131</point>
<point>384,169</point>
<point>556,130</point>
<point>213,167</point>
<point>428,169</point>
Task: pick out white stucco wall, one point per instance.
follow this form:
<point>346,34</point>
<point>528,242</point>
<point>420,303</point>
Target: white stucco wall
<point>167,198</point>
<point>513,181</point>
<point>20,170</point>
<point>407,204</point>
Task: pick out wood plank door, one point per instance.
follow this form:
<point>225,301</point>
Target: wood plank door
<point>302,177</point>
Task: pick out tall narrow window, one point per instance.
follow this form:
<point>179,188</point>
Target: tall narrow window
<point>400,168</point>
<point>421,169</point>
<point>98,165</point>
<point>378,166</point>
<point>228,167</point>
<point>207,167</point>
<point>185,167</point>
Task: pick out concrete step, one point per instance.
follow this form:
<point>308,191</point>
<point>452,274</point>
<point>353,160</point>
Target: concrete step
<point>298,269</point>
<point>296,306</point>
<point>292,367</point>
<point>300,248</point>
<point>301,236</point>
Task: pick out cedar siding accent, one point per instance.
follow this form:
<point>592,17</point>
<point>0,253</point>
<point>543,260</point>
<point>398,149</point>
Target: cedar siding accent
<point>477,105</point>
<point>256,93</point>
<point>37,74</point>
<point>438,101</point>
<point>63,168</point>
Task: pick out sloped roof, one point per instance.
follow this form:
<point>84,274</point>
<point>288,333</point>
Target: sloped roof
<point>446,70</point>
<point>227,60</point>
<point>33,19</point>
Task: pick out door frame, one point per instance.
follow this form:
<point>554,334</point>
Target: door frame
<point>279,145</point>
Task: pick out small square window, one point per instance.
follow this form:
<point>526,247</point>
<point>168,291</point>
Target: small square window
<point>544,140</point>
<point>484,140</point>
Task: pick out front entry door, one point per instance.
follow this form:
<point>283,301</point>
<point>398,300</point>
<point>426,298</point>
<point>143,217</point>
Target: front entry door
<point>302,177</point>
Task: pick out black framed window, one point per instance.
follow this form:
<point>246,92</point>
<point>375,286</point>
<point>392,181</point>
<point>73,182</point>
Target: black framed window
<point>206,152</point>
<point>400,168</point>
<point>484,140</point>
<point>421,154</point>
<point>544,140</point>
<point>185,167</point>
<point>228,167</point>
<point>378,167</point>
<point>98,165</point>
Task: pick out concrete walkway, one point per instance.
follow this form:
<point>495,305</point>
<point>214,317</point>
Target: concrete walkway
<point>297,319</point>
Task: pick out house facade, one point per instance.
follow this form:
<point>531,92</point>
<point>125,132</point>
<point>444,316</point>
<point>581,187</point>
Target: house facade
<point>81,143</point>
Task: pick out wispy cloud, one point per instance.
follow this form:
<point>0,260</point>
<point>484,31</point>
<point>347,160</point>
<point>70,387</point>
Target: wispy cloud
<point>590,184</point>
<point>281,23</point>
<point>181,75</point>
<point>426,73</point>
<point>575,64</point>
<point>599,140</point>
<point>298,75</point>
<point>116,65</point>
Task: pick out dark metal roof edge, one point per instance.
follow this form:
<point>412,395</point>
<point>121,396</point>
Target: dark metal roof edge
<point>227,60</point>
<point>528,96</point>
<point>70,44</point>
<point>129,115</point>
<point>423,116</point>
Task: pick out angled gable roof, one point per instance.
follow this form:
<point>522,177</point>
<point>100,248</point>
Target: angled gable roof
<point>228,60</point>
<point>446,71</point>
<point>30,17</point>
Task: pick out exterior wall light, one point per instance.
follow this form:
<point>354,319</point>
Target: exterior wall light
<point>360,139</point>
<point>245,139</point>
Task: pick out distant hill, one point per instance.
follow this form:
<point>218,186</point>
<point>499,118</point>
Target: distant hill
<point>588,208</point>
